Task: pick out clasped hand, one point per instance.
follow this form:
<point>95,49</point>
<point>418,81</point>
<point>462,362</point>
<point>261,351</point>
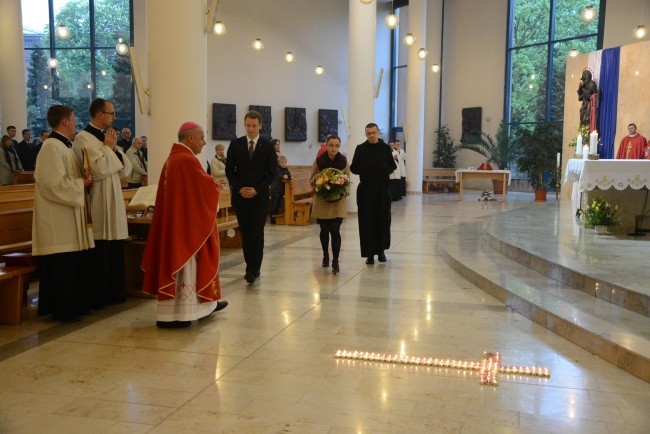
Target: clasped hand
<point>248,192</point>
<point>110,138</point>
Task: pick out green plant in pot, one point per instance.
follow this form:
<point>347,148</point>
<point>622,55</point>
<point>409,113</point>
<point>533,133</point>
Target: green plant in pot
<point>497,149</point>
<point>445,153</point>
<point>536,155</point>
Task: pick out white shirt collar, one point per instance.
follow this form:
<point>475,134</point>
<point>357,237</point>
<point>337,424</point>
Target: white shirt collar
<point>253,140</point>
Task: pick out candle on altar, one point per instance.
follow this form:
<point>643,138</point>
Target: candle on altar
<point>585,152</point>
<point>579,143</point>
<point>593,142</point>
<point>558,159</point>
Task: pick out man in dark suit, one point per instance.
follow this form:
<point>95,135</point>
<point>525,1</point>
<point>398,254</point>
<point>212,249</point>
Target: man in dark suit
<point>250,168</point>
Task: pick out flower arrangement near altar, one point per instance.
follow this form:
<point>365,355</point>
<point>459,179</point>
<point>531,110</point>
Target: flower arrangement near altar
<point>583,131</point>
<point>331,184</point>
<point>600,213</point>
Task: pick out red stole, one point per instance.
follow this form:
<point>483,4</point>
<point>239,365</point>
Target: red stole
<point>184,225</point>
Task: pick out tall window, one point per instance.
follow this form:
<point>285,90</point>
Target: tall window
<point>540,35</point>
<point>88,66</point>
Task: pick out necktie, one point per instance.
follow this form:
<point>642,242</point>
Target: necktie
<point>251,148</point>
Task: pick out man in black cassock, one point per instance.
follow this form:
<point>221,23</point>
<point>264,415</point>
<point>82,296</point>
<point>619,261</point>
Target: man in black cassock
<point>373,162</point>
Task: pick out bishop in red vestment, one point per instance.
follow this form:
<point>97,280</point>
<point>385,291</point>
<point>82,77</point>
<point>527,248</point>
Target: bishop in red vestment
<point>181,258</point>
<point>632,146</point>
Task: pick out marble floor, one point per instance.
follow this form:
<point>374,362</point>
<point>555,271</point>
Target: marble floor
<point>265,364</point>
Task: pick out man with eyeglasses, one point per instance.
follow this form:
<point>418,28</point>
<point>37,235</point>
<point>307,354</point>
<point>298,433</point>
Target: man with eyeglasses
<point>98,144</point>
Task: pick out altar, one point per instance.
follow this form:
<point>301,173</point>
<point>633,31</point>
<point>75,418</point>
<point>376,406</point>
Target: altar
<point>621,182</point>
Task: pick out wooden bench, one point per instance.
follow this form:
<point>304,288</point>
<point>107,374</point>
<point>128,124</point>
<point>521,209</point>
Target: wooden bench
<point>439,179</point>
<point>298,199</point>
<point>229,233</point>
<point>15,236</point>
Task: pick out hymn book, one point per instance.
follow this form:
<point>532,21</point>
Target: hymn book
<point>144,199</point>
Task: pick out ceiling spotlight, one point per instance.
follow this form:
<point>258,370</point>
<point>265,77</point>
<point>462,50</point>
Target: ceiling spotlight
<point>103,73</point>
<point>391,20</point>
<point>257,44</point>
<point>289,57</point>
<point>89,86</point>
<point>219,28</point>
<point>319,70</point>
<point>366,2</point>
<point>409,39</point>
<point>573,52</point>
<point>640,32</point>
<point>46,87</point>
<point>62,32</point>
<point>121,48</point>
<point>588,14</point>
<point>52,62</point>
<point>422,53</point>
<point>435,67</point>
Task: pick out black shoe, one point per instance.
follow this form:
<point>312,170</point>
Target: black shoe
<point>249,277</point>
<point>326,261</point>
<point>335,266</point>
<point>173,324</point>
<point>370,260</point>
<point>221,305</point>
<point>381,257</point>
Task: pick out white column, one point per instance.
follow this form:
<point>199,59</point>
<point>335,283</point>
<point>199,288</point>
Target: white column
<point>177,60</point>
<point>415,94</point>
<point>13,102</point>
<point>361,80</point>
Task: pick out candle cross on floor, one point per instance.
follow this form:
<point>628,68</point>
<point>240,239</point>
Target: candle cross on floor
<point>488,369</point>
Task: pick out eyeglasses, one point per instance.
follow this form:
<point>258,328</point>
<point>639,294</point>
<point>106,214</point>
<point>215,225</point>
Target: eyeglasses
<point>109,113</point>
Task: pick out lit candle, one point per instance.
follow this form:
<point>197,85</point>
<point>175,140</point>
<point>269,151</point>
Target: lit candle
<point>593,142</point>
<point>558,160</point>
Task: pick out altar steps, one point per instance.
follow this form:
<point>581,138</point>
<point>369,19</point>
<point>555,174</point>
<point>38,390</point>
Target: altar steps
<point>614,333</point>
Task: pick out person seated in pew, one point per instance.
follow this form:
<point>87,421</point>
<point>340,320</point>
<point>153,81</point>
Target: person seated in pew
<point>181,258</point>
<point>277,186</point>
<point>218,165</point>
<point>9,161</point>
<point>138,163</point>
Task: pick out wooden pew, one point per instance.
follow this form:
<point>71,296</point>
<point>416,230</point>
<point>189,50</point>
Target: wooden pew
<point>298,199</point>
<point>15,236</point>
<point>300,171</point>
<point>437,179</point>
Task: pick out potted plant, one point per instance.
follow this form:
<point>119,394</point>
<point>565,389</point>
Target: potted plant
<point>536,155</point>
<point>445,153</point>
<point>498,150</point>
<point>600,214</point>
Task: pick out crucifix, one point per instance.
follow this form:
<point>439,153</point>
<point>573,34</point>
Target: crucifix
<point>488,369</point>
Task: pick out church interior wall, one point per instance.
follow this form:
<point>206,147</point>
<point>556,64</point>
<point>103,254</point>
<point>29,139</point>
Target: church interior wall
<point>621,17</point>
<point>474,68</point>
<point>316,32</point>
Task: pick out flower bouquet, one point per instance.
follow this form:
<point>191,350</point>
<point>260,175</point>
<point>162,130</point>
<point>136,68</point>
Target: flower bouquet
<point>331,184</point>
<point>600,213</point>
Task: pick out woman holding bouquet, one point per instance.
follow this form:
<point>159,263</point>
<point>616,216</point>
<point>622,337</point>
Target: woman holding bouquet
<point>330,175</point>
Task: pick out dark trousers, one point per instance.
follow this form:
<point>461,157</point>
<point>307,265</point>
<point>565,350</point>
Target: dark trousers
<point>109,276</point>
<point>64,287</point>
<point>276,200</point>
<point>135,185</point>
<point>330,227</point>
<point>251,219</point>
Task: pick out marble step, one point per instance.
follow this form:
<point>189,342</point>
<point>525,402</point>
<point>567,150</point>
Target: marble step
<point>615,334</point>
<point>607,267</point>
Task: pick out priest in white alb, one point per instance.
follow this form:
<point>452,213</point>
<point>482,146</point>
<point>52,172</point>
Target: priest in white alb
<point>99,141</point>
